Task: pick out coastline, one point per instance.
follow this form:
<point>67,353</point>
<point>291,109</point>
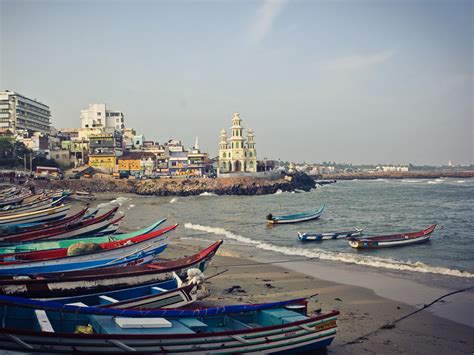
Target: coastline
<point>185,186</point>
<point>398,175</point>
<point>364,313</point>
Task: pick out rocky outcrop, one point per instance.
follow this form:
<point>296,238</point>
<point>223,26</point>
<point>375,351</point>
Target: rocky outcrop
<point>188,187</point>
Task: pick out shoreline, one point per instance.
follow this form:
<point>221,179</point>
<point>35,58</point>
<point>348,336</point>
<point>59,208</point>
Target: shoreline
<point>398,175</point>
<point>363,312</point>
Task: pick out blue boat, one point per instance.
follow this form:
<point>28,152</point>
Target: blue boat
<point>278,327</point>
<point>297,217</point>
<point>172,293</point>
<point>307,237</point>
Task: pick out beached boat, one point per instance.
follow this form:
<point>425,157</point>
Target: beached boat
<point>37,255</point>
<point>307,237</point>
<point>47,214</point>
<point>14,199</point>
<point>37,205</point>
<point>66,243</point>
<point>278,327</point>
<point>64,231</point>
<point>297,217</point>
<point>172,293</point>
<point>11,230</point>
<point>74,283</point>
<point>393,240</point>
<point>58,260</point>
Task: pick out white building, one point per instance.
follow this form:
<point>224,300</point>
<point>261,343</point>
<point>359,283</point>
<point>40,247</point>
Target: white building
<point>19,112</point>
<point>97,116</point>
<point>237,155</point>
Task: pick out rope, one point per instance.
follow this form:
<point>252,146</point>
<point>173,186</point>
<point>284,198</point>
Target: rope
<point>392,325</point>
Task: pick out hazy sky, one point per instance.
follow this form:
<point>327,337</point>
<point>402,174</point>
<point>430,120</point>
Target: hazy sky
<point>346,81</point>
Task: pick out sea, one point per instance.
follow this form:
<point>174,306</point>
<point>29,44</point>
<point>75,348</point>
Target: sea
<point>379,207</point>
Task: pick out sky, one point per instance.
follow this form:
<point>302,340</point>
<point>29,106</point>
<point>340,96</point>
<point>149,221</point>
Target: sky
<point>369,81</point>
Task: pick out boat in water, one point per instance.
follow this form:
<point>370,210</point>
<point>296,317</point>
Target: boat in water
<point>307,237</point>
<point>393,240</point>
<point>297,217</point>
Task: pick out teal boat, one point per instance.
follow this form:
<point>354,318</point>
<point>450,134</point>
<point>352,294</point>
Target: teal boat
<point>277,328</point>
<point>66,243</point>
<point>297,217</point>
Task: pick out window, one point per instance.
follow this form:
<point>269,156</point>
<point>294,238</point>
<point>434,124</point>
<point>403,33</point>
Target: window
<point>99,113</point>
<point>251,164</point>
<point>250,154</point>
<point>224,155</point>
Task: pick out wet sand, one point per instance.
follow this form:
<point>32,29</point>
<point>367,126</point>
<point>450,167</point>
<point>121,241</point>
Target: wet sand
<point>362,324</point>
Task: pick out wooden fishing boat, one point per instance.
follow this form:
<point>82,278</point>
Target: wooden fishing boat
<point>394,240</point>
<point>42,255</point>
<point>172,293</point>
<point>63,231</point>
<point>82,214</point>
<point>66,243</point>
<point>297,217</point>
<point>41,204</point>
<point>74,283</point>
<point>57,260</point>
<point>307,237</point>
<point>278,327</point>
<point>14,200</point>
<point>48,214</point>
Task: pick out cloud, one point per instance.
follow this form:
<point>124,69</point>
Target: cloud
<point>357,62</point>
<point>263,23</point>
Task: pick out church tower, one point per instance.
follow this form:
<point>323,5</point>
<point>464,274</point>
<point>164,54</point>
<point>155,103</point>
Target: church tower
<point>235,156</point>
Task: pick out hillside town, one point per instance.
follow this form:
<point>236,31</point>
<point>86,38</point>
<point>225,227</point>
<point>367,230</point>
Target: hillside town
<point>104,144</point>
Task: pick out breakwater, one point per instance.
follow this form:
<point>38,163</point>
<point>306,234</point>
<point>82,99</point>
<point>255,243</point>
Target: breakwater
<point>397,175</point>
<point>186,187</point>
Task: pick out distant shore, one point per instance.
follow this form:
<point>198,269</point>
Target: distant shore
<point>397,175</point>
<point>186,187</point>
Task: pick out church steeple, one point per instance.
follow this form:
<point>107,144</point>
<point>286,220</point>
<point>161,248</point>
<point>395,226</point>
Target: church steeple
<point>250,139</point>
<point>223,142</point>
<point>237,141</point>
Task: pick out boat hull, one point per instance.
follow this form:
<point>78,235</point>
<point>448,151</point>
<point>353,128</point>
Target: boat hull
<point>105,279</point>
<point>394,240</point>
<point>308,237</point>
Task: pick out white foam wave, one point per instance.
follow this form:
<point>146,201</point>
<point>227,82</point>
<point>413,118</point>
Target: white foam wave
<point>439,180</point>
<point>174,199</point>
<point>431,182</point>
<point>411,181</point>
<point>208,194</point>
<point>335,256</point>
<point>278,192</point>
<point>118,201</point>
<point>461,181</point>
<point>131,206</point>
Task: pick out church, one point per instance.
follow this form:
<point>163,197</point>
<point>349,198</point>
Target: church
<point>237,155</point>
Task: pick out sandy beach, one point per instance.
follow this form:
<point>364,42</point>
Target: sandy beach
<point>365,324</point>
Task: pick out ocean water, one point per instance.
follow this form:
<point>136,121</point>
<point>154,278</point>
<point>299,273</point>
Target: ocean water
<point>378,206</point>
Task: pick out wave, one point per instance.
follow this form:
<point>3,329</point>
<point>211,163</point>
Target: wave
<point>131,206</point>
<point>174,199</point>
<point>439,180</point>
<point>118,201</point>
<point>208,194</point>
<point>411,181</point>
<point>278,192</point>
<point>461,181</point>
<point>335,256</point>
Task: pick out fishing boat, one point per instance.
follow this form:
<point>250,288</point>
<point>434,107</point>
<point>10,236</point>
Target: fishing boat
<point>66,243</point>
<point>11,230</point>
<point>109,254</point>
<point>278,327</point>
<point>393,240</point>
<point>14,200</point>
<point>307,237</point>
<point>297,217</point>
<point>28,256</point>
<point>74,283</point>
<point>47,214</point>
<point>172,293</point>
<point>41,204</point>
<point>63,231</point>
